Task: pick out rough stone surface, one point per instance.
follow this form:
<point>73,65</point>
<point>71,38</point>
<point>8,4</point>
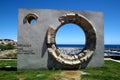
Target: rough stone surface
<point>33,42</point>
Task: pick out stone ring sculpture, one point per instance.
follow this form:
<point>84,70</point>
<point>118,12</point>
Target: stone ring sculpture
<point>90,44</point>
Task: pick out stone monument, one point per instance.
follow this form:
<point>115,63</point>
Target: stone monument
<point>36,39</point>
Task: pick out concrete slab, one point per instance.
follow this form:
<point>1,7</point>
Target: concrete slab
<point>32,38</point>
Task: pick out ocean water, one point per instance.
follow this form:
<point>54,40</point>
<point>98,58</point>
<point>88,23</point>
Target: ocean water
<point>71,45</point>
<point>110,47</point>
<point>81,46</point>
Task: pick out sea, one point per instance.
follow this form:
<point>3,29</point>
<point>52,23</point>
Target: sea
<point>71,45</point>
<point>107,47</point>
<point>81,45</point>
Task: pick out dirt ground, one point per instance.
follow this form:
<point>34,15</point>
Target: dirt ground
<point>7,53</point>
<point>68,75</point>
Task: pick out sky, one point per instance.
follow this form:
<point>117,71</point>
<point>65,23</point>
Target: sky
<point>9,14</point>
<point>70,34</point>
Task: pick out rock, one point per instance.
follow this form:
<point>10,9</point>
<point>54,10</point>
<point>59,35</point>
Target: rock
<point>84,73</point>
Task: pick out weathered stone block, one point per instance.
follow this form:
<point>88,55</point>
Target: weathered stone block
<point>36,41</point>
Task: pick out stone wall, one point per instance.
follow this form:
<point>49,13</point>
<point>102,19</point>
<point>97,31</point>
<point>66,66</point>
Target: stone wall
<point>36,41</point>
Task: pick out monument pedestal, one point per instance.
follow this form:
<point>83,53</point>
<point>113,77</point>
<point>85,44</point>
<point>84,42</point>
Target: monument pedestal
<point>36,39</point>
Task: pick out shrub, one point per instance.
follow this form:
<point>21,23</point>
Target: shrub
<point>7,47</point>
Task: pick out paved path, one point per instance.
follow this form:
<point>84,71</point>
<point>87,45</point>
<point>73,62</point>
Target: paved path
<point>8,59</point>
<point>112,60</point>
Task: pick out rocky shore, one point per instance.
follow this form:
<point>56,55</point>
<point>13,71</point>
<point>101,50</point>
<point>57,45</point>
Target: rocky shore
<point>70,51</point>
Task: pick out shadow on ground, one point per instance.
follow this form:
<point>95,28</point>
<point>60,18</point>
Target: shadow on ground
<point>9,68</point>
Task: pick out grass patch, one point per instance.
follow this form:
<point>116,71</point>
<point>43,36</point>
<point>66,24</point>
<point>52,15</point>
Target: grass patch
<point>4,63</point>
<point>24,74</point>
<point>110,71</point>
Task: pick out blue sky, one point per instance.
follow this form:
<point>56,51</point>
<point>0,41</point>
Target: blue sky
<point>9,14</point>
<point>70,34</point>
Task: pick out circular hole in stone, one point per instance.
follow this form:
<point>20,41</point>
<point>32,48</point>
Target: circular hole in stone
<point>70,39</point>
<point>31,20</point>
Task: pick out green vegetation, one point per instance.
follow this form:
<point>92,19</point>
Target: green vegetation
<point>4,63</point>
<point>7,47</point>
<point>110,71</point>
<point>24,74</point>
